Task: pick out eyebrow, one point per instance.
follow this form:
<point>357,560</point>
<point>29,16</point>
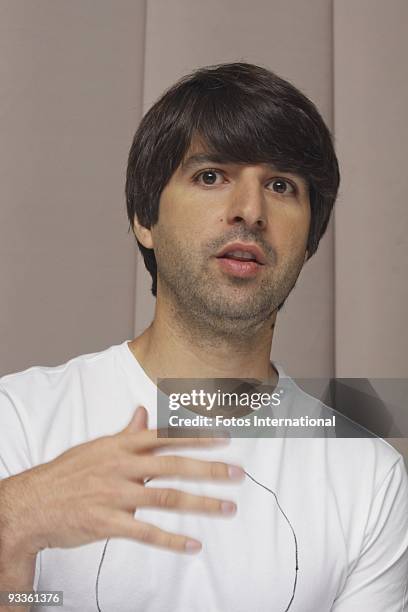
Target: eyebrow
<point>213,158</point>
<point>202,158</point>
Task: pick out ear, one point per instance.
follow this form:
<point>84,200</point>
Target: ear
<point>306,256</point>
<point>143,234</point>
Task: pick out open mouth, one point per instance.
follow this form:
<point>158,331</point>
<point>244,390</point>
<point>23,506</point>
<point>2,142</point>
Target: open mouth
<point>240,263</point>
<point>240,256</point>
<point>241,259</point>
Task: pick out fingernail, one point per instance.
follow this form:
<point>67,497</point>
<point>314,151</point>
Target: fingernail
<point>228,507</point>
<point>192,546</point>
<point>235,472</point>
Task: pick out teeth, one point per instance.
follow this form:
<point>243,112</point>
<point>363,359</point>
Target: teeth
<point>240,255</point>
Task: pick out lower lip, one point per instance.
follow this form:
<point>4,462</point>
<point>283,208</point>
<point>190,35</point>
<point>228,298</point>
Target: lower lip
<point>241,269</point>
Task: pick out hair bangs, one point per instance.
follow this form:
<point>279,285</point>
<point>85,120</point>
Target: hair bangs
<point>231,126</point>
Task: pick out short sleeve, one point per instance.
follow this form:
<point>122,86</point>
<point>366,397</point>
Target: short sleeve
<point>15,449</point>
<point>15,446</point>
<point>378,579</point>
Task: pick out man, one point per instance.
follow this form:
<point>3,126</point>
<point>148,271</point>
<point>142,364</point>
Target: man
<point>231,180</point>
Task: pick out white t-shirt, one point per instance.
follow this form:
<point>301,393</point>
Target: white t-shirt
<point>346,500</point>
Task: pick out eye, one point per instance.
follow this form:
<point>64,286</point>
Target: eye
<point>209,177</point>
<point>282,186</point>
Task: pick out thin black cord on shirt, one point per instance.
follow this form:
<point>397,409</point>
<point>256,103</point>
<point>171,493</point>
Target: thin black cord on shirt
<point>279,506</point>
<point>294,536</point>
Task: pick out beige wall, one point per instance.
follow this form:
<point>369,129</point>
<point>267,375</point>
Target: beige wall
<point>71,81</point>
<point>371,102</point>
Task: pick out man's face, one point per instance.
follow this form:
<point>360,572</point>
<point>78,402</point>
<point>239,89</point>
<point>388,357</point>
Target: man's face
<point>208,206</point>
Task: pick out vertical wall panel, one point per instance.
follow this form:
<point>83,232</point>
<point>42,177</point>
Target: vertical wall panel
<point>371,101</point>
<point>293,38</point>
<point>71,76</point>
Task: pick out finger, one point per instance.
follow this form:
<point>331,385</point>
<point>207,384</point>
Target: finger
<point>138,422</point>
<point>148,440</point>
<point>173,499</point>
<point>153,466</point>
<point>123,525</point>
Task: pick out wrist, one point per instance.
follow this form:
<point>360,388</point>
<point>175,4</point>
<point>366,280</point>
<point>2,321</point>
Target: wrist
<point>17,568</point>
<point>15,540</point>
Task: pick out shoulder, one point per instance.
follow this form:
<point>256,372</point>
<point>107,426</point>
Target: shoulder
<point>45,379</point>
<point>351,452</point>
<point>45,410</point>
<point>364,462</point>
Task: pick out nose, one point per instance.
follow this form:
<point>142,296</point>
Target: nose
<point>247,204</point>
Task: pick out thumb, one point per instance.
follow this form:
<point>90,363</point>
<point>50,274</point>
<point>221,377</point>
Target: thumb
<point>138,420</point>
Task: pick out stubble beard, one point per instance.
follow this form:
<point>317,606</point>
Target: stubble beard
<point>212,306</point>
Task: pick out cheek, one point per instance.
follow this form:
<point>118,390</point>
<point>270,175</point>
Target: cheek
<point>175,233</point>
<point>178,215</point>
<point>289,234</point>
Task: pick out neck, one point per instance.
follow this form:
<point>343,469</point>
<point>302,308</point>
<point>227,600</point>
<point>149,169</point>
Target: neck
<point>174,346</point>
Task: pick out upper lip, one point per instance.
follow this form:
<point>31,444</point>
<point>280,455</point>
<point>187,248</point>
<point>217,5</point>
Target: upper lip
<point>244,246</point>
